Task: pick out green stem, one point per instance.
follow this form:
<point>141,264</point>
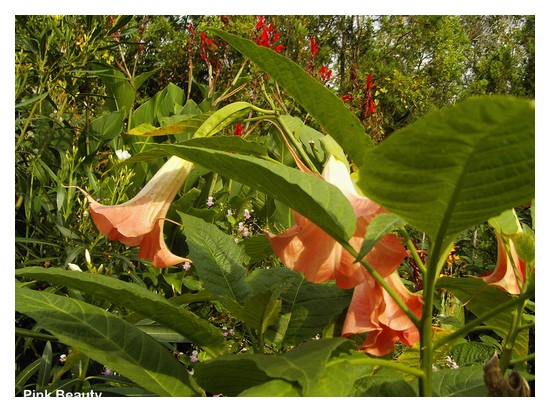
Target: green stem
<point>380,362</point>
<point>426,339</point>
<point>297,145</point>
<point>481,319</point>
<point>523,359</point>
<point>412,248</point>
<point>380,279</point>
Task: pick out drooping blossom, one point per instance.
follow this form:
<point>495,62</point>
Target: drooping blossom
<point>140,221</point>
<point>314,47</point>
<point>503,275</point>
<point>374,311</point>
<point>369,103</point>
<point>307,248</point>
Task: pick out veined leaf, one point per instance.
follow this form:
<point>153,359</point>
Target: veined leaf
<point>107,339</point>
<point>272,388</point>
<point>456,167</point>
<point>217,259</point>
<point>323,203</point>
<point>223,118</point>
<point>465,381</point>
<point>380,226</point>
<point>318,100</point>
<point>136,298</point>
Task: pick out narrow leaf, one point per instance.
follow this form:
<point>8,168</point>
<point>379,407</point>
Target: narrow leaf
<point>107,339</point>
<point>323,203</point>
<point>318,100</point>
<point>136,298</point>
<point>223,118</point>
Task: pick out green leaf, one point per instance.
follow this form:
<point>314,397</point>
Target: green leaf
<point>307,307</point>
<point>190,124</point>
<point>466,381</point>
<point>232,374</point>
<point>229,144</point>
<point>481,298</point>
<point>107,339</point>
<point>139,299</point>
<point>120,93</point>
<point>106,127</point>
<point>272,388</point>
<point>314,97</point>
<point>223,118</point>
<point>217,259</point>
<point>507,223</point>
<point>323,203</point>
<point>229,375</point>
<point>259,311</point>
<point>456,167</point>
<point>379,227</point>
<point>470,353</point>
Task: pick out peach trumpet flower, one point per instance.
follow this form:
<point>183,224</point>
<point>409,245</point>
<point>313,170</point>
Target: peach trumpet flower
<point>374,311</point>
<point>504,276</point>
<point>140,221</point>
<point>307,248</point>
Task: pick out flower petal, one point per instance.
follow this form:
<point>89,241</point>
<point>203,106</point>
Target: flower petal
<point>154,249</point>
<point>503,275</point>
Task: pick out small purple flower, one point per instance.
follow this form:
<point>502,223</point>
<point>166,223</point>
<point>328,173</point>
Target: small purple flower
<point>241,227</point>
<point>246,233</point>
<point>107,371</point>
<point>210,201</point>
<point>246,214</point>
<point>194,357</point>
<point>186,266</point>
<point>229,213</point>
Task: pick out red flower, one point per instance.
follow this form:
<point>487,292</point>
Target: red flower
<point>268,36</point>
<point>369,104</point>
<point>238,129</point>
<point>325,74</point>
<point>314,48</point>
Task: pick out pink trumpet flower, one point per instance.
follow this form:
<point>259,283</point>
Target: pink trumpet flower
<point>374,311</point>
<point>503,275</point>
<point>307,248</point>
<point>140,221</point>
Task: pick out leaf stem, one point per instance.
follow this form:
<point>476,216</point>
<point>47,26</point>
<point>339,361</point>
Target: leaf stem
<point>380,362</point>
<point>412,248</point>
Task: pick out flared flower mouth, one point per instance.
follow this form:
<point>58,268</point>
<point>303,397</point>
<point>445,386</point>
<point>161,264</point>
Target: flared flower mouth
<point>140,221</point>
<point>307,248</point>
<point>374,311</point>
<point>509,273</point>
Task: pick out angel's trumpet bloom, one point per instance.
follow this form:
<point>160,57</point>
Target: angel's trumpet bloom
<point>374,311</point>
<point>503,275</point>
<point>139,221</point>
<point>307,248</point>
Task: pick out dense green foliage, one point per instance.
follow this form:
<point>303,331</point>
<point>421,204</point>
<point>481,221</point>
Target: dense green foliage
<point>245,109</point>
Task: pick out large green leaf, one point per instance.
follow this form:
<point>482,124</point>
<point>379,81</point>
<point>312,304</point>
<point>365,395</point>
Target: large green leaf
<point>120,93</point>
<point>107,339</point>
<point>466,381</point>
<point>232,374</point>
<point>217,259</point>
<point>456,167</point>
<point>323,203</point>
<point>318,100</point>
<point>139,299</point>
